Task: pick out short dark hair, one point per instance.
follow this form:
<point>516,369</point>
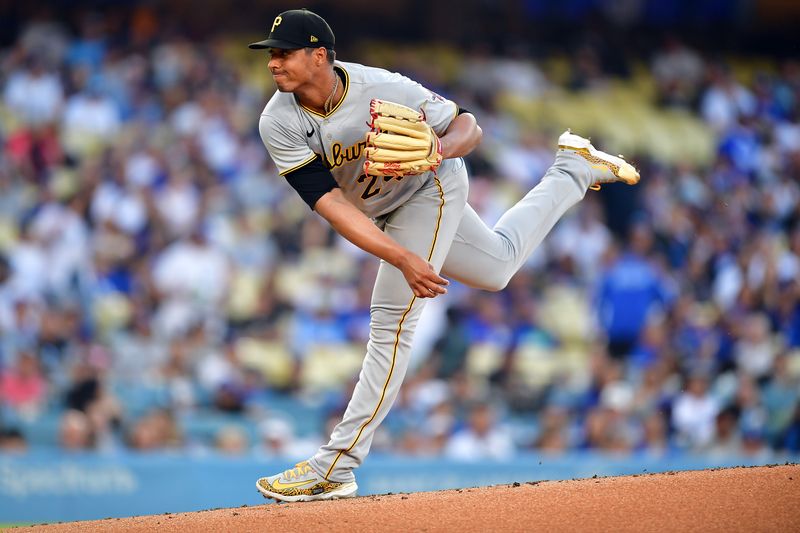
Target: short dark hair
<point>331,53</point>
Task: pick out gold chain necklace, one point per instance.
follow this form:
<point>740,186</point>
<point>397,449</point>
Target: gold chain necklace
<point>329,101</point>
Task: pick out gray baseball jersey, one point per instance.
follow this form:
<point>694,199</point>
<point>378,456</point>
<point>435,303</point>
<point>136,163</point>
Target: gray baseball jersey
<point>426,214</point>
<point>294,135</point>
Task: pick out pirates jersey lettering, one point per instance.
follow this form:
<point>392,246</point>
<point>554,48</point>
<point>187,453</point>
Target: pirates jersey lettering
<point>339,135</point>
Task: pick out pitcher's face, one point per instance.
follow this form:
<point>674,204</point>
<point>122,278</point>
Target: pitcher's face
<point>291,68</point>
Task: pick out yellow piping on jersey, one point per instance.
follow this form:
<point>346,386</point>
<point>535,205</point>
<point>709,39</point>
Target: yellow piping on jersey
<point>344,95</point>
<point>396,337</point>
<point>296,167</point>
<point>455,114</point>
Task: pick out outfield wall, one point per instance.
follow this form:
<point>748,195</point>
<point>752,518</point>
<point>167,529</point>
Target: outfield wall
<point>44,487</point>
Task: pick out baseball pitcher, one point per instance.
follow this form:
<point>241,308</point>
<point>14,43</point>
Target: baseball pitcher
<point>379,157</point>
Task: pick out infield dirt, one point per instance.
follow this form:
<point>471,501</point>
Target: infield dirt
<point>733,499</point>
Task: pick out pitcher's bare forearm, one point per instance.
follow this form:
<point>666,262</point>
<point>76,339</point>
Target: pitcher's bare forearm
<point>357,228</point>
<point>462,136</point>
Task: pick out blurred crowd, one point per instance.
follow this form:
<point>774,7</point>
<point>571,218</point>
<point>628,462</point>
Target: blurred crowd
<point>162,288</point>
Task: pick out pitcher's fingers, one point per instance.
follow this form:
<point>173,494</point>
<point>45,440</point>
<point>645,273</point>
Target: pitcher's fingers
<point>436,278</point>
<point>421,291</point>
<point>431,289</point>
<point>437,289</point>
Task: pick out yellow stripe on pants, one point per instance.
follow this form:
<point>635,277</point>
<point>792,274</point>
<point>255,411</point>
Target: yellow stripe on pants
<point>396,339</point>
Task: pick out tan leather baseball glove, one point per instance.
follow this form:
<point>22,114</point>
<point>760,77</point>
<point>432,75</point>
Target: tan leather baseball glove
<point>400,142</point>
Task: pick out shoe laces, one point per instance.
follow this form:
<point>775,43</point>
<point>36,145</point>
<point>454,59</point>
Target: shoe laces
<point>300,469</point>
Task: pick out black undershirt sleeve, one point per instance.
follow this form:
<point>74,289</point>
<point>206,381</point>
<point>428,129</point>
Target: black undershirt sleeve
<point>312,181</point>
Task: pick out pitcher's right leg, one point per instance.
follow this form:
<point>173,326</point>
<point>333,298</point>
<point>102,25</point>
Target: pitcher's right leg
<point>487,258</point>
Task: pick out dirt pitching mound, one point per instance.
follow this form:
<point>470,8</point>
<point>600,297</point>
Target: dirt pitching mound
<point>733,499</point>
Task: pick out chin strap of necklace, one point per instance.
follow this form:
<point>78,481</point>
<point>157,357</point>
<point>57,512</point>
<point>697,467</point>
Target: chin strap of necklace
<point>329,101</point>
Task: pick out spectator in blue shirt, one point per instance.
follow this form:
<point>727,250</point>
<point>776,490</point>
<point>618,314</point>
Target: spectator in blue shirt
<point>630,290</point>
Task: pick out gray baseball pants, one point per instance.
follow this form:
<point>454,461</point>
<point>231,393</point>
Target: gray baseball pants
<point>437,224</point>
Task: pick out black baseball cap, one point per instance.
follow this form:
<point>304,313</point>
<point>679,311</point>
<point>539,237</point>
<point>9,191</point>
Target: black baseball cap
<point>297,28</point>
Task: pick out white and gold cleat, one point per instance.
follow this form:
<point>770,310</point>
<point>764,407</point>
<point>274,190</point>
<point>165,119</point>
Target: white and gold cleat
<point>606,168</point>
<point>302,484</point>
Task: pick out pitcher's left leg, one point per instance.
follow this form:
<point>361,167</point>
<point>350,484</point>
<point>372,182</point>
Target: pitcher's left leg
<point>426,225</point>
